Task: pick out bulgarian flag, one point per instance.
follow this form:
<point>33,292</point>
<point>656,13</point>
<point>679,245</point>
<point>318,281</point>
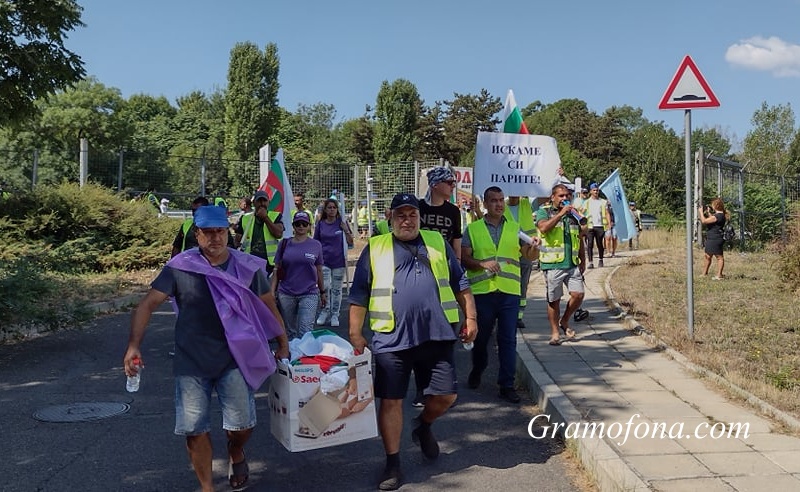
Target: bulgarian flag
<point>512,118</point>
<point>279,191</point>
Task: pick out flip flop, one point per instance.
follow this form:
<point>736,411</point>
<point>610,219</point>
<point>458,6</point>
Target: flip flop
<point>238,473</point>
<point>555,341</point>
<point>569,333</point>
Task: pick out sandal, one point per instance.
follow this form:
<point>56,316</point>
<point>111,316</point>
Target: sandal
<point>569,333</point>
<point>555,341</point>
<point>238,473</point>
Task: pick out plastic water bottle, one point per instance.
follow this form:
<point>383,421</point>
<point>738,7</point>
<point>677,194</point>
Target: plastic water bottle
<point>466,345</point>
<point>133,381</point>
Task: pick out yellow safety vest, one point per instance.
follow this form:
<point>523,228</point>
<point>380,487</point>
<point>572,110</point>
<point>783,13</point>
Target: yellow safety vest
<point>591,220</point>
<point>552,249</point>
<point>506,254</point>
<point>187,224</point>
<point>383,227</point>
<point>525,216</point>
<point>271,242</point>
<point>381,262</point>
<point>363,216</point>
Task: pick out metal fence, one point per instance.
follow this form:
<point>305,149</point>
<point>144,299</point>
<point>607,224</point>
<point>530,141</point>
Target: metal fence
<point>761,205</point>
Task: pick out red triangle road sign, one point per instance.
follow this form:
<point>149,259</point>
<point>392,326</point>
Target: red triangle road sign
<point>688,89</point>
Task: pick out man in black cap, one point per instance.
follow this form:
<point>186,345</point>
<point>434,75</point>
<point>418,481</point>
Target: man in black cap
<point>259,232</point>
<point>412,329</point>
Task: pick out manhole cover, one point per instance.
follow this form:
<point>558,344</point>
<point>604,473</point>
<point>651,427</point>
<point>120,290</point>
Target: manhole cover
<point>81,412</point>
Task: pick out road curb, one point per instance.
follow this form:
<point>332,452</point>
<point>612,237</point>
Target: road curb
<point>606,467</point>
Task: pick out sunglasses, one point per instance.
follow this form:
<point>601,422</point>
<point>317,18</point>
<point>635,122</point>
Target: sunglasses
<point>300,224</point>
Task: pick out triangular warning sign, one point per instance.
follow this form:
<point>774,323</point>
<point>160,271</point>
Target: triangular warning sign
<point>688,89</point>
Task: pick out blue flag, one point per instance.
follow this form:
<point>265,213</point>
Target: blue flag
<point>615,194</point>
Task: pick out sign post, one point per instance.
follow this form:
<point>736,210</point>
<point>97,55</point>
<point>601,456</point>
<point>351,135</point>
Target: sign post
<point>688,90</point>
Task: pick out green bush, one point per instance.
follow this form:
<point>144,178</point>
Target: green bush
<point>67,228</point>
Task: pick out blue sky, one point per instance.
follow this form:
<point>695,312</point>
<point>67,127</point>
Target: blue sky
<point>606,53</point>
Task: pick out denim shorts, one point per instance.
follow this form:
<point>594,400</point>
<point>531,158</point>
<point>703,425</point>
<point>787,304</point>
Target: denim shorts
<point>193,399</point>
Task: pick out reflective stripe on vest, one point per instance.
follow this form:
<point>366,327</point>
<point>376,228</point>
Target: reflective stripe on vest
<point>270,241</point>
<point>552,249</point>
<point>506,254</point>
<point>381,261</point>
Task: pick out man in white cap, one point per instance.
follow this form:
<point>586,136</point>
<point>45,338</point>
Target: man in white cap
<point>437,213</point>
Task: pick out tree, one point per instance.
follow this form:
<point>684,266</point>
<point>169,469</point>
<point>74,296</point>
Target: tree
<point>397,115</point>
<point>653,169</point>
<point>464,116</point>
<point>358,136</point>
<point>766,146</point>
<point>34,62</point>
<point>251,108</point>
<point>712,141</point>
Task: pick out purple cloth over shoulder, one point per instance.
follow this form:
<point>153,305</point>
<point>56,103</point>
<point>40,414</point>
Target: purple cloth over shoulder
<point>248,323</point>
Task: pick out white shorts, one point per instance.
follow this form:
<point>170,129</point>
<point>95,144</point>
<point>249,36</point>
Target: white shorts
<point>611,232</point>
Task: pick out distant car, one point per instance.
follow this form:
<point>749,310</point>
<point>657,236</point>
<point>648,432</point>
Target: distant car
<point>648,221</point>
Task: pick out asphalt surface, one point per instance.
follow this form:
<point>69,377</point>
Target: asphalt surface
<point>484,441</point>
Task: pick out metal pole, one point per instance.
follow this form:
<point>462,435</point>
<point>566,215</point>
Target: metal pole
<point>83,171</point>
<point>203,174</point>
<point>369,201</point>
<point>119,175</point>
<point>689,223</point>
<point>35,171</point>
<point>354,208</point>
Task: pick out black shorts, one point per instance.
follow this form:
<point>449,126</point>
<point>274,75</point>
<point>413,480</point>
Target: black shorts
<point>432,363</point>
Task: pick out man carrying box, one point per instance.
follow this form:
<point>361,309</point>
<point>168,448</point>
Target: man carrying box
<point>395,281</point>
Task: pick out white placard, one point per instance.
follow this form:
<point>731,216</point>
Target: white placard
<point>519,164</point>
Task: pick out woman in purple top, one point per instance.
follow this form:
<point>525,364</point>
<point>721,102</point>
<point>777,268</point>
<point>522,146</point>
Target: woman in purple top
<point>332,232</point>
<point>301,289</point>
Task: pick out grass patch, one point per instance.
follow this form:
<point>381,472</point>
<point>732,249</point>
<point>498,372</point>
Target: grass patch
<point>746,326</point>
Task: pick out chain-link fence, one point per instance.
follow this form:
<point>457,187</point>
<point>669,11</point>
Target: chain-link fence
<point>760,204</point>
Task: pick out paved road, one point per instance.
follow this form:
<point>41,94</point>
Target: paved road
<point>484,442</point>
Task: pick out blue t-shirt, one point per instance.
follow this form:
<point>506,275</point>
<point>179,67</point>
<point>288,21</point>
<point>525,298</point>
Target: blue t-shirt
<point>330,235</point>
<point>201,348</point>
<point>418,314</point>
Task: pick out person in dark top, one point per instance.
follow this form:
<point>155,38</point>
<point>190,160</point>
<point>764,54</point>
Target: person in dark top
<point>185,238</point>
<point>229,354</point>
<point>437,213</point>
<point>410,286</point>
<point>714,218</point>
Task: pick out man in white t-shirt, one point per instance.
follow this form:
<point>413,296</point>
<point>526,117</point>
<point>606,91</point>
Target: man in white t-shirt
<point>595,209</point>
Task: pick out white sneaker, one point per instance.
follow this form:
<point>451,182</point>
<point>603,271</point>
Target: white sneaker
<point>322,318</point>
<point>335,321</point>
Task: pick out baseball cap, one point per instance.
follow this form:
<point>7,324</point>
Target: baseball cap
<point>301,217</point>
<point>260,194</point>
<point>209,216</point>
<point>593,186</point>
<point>404,200</point>
<point>633,204</point>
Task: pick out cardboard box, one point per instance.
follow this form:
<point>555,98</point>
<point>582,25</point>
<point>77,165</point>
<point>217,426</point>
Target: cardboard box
<point>304,418</point>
